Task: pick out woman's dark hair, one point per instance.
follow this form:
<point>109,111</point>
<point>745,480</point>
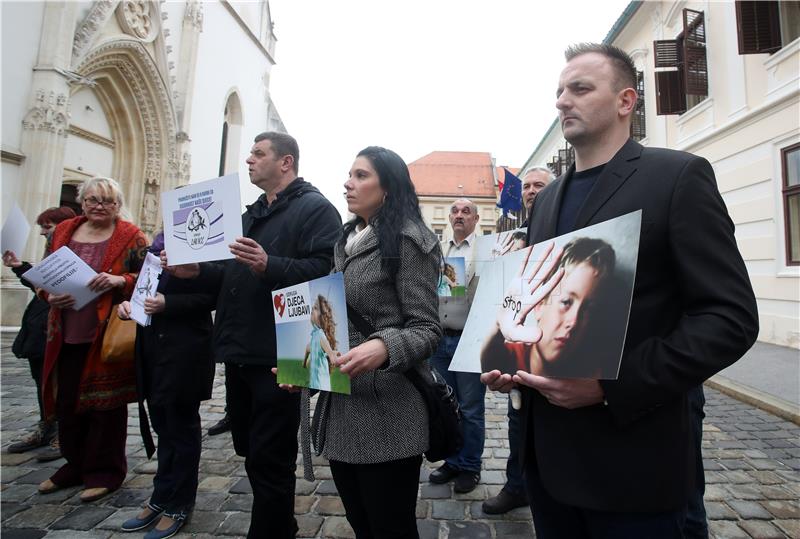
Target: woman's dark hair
<point>400,205</point>
<point>55,215</point>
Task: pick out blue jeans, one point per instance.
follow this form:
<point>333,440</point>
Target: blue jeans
<point>696,526</point>
<point>515,483</point>
<point>470,393</point>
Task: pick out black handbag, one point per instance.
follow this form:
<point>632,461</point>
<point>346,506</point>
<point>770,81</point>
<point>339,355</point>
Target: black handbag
<point>444,418</point>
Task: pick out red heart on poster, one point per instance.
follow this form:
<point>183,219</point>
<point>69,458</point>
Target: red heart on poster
<point>280,305</point>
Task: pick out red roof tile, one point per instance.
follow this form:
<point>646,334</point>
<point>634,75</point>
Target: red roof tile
<point>468,174</point>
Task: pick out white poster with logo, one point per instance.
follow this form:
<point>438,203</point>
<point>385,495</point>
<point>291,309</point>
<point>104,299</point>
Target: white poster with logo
<point>146,286</point>
<point>311,332</point>
<point>201,220</point>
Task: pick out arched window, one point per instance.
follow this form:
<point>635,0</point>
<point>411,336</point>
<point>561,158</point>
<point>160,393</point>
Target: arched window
<point>229,156</point>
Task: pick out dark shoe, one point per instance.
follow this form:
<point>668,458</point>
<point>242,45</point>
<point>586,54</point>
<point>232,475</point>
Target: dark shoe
<point>38,437</point>
<point>443,474</point>
<point>140,522</point>
<point>504,502</point>
<point>223,425</point>
<point>179,519</point>
<point>52,452</point>
<point>466,481</point>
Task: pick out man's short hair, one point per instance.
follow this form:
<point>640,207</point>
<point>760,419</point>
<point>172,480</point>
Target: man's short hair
<point>471,204</point>
<point>620,61</point>
<point>550,175</point>
<point>282,144</point>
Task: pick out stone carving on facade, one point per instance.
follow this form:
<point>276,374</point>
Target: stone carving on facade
<point>138,18</point>
<point>194,14</point>
<point>98,14</point>
<point>150,206</point>
<point>50,112</point>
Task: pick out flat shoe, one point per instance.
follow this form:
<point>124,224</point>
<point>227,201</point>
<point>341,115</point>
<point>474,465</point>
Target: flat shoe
<point>92,494</point>
<point>47,486</point>
<point>136,523</point>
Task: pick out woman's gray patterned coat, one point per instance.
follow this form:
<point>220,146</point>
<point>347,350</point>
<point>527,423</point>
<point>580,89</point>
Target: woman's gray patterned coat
<point>384,418</point>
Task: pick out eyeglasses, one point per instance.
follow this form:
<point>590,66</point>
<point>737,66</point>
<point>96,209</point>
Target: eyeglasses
<point>93,202</point>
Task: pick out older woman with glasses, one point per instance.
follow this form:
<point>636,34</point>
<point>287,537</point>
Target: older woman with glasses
<point>87,395</point>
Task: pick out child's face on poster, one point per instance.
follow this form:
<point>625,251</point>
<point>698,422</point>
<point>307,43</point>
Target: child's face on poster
<point>562,316</point>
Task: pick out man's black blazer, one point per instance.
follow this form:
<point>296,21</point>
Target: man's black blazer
<point>693,314</point>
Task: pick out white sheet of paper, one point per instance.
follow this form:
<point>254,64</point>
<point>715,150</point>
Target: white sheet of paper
<point>146,286</point>
<point>63,272</point>
<point>201,220</point>
<point>15,232</point>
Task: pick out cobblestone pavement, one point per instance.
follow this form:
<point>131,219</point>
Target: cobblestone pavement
<point>752,468</point>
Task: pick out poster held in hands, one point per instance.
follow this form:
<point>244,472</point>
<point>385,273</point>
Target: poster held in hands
<point>146,286</point>
<point>63,272</point>
<point>15,232</point>
<point>558,309</point>
<point>201,220</point>
<point>311,332</point>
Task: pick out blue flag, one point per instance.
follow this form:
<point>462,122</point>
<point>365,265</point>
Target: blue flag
<point>511,195</point>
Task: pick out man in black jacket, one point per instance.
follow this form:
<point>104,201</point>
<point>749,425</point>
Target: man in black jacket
<point>616,458</point>
<point>289,236</point>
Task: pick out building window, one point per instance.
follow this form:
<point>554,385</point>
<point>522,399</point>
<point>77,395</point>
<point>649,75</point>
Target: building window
<point>682,81</point>
<point>638,131</point>
<point>487,231</point>
<point>438,212</point>
<point>790,161</point>
<point>439,233</point>
<point>765,27</point>
<point>563,160</point>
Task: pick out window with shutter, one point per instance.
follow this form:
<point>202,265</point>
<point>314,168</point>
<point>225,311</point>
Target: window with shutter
<point>695,65</point>
<point>682,79</point>
<point>759,27</point>
<point>790,165</point>
<point>638,131</point>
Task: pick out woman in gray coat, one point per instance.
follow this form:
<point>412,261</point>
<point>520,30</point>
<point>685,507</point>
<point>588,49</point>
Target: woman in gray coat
<point>374,438</point>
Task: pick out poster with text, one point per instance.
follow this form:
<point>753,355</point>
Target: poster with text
<point>452,277</point>
<point>201,220</point>
<point>311,332</point>
<point>146,286</point>
<point>558,309</point>
<point>64,272</point>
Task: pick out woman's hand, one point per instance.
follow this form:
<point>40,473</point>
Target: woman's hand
<point>103,282</point>
<point>287,387</point>
<point>155,304</point>
<point>10,260</point>
<point>365,357</point>
<point>182,271</point>
<point>124,310</point>
<point>524,292</point>
<point>61,301</point>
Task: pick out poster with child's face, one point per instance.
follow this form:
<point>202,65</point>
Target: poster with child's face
<point>311,332</point>
<point>452,277</point>
<point>492,246</point>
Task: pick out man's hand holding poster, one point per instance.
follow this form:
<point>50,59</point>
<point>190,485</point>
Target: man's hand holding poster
<point>201,220</point>
<point>557,309</point>
<point>311,332</point>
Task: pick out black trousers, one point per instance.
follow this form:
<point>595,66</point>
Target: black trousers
<point>380,499</point>
<point>178,429</point>
<point>264,422</point>
<point>554,520</point>
<point>36,364</point>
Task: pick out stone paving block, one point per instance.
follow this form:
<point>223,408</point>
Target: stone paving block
<point>12,473</point>
<point>83,518</point>
<point>719,511</point>
<point>749,509</point>
<point>506,530</point>
<point>782,509</point>
<point>327,488</point>
<point>28,533</point>
<point>428,529</point>
<point>224,469</point>
<point>302,504</point>
<point>210,501</point>
<point>215,484</point>
<point>789,527</point>
<point>8,510</point>
<point>71,534</point>
<point>308,525</point>
<point>204,522</point>
<point>337,528</point>
<point>774,492</point>
<point>129,497</point>
<point>235,524</point>
<point>37,516</point>
<point>766,477</point>
<point>330,505</point>
<point>15,459</point>
<point>716,493</point>
<point>493,477</point>
<point>242,486</point>
<point>724,529</point>
<point>448,509</point>
<point>468,530</point>
<point>431,491</point>
<point>54,498</point>
<point>35,477</point>
<point>143,481</point>
<point>320,472</point>
<point>421,510</point>
<point>18,493</point>
<point>148,467</point>
<point>478,493</point>
<point>761,529</point>
<point>305,487</point>
<point>115,520</point>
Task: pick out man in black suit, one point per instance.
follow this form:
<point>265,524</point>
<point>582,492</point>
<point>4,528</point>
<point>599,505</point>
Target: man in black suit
<point>615,458</point>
